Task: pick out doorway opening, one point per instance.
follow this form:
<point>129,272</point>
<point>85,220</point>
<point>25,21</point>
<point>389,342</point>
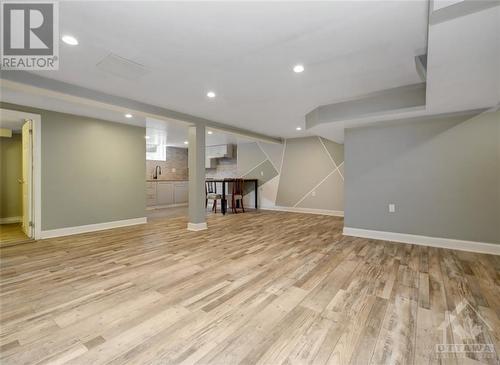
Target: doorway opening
<point>166,169</point>
<point>17,177</point>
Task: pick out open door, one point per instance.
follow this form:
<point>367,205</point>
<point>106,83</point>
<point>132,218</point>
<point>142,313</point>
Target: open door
<point>26,182</point>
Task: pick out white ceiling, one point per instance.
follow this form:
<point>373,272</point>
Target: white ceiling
<point>463,72</point>
<point>174,134</point>
<point>463,67</point>
<point>13,119</point>
<point>244,51</point>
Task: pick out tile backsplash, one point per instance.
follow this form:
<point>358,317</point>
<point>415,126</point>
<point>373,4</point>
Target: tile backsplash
<point>174,168</point>
<point>226,167</point>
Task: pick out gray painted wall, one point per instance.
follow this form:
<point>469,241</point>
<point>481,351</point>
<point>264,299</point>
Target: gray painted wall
<point>11,165</point>
<point>443,174</point>
<point>302,173</point>
<point>92,170</point>
<point>306,164</point>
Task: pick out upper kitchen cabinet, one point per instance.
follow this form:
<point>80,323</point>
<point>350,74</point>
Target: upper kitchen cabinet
<point>220,151</point>
<point>213,153</point>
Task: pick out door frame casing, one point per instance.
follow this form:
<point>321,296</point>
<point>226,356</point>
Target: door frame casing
<point>36,200</point>
<point>36,177</point>
<point>36,173</point>
<point>27,177</point>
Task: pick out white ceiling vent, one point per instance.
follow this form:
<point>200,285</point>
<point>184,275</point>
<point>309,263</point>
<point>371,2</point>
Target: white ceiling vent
<point>122,67</point>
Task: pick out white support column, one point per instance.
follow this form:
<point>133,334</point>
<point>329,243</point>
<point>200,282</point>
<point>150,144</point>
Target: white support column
<point>196,164</point>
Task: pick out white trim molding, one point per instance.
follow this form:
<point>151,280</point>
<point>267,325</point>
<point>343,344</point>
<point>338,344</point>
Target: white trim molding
<point>449,243</point>
<point>335,213</point>
<point>67,231</point>
<point>10,220</point>
<point>154,207</point>
<point>37,176</point>
<point>197,226</point>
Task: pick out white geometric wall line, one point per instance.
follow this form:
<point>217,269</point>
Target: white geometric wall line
<point>314,188</point>
<point>269,158</point>
<point>328,153</point>
<point>253,168</point>
<point>342,176</point>
<point>282,157</point>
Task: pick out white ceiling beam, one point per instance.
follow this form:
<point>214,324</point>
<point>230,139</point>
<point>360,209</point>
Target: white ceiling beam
<point>399,99</point>
<point>29,82</point>
<point>460,9</point>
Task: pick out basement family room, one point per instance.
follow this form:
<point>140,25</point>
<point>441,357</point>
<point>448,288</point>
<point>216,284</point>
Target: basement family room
<point>250,182</point>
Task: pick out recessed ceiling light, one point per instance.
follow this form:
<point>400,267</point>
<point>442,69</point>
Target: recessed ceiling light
<point>298,68</point>
<point>210,132</point>
<point>186,142</point>
<point>128,115</point>
<point>299,128</point>
<point>72,41</point>
<point>211,94</point>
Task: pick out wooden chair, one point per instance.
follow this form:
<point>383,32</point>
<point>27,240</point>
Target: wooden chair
<point>237,195</point>
<point>211,193</point>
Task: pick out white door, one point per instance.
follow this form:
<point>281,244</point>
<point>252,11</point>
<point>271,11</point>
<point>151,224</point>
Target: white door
<point>27,176</point>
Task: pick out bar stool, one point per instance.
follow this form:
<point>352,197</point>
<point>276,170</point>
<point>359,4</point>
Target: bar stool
<point>211,193</point>
<point>237,195</point>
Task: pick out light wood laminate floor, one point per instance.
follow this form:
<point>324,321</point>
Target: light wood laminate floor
<point>256,288</point>
<point>11,234</point>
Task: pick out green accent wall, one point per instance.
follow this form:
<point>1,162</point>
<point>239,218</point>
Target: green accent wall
<point>92,170</point>
<point>11,165</point>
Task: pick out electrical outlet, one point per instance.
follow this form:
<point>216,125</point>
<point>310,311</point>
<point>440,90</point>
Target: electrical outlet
<point>392,208</point>
<point>173,169</point>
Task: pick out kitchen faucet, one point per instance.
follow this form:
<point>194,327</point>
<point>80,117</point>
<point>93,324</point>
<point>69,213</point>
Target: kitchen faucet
<point>157,172</point>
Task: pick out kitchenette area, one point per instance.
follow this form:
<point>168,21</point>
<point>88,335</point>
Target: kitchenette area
<point>167,176</point>
<point>166,180</point>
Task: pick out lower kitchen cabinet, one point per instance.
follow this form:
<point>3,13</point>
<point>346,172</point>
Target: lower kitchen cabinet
<point>166,193</point>
<point>181,193</point>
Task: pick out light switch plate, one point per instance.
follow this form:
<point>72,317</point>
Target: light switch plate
<point>392,208</point>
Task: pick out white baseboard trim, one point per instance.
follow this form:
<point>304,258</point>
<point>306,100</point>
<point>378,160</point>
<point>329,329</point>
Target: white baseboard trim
<point>91,227</point>
<point>10,220</point>
<point>154,207</point>
<point>470,246</point>
<point>197,226</point>
<point>336,213</point>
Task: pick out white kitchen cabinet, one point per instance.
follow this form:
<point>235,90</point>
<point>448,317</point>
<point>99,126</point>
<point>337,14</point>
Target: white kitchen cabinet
<point>150,193</point>
<point>164,193</point>
<point>220,151</point>
<point>210,163</point>
<point>213,153</point>
<point>181,193</point>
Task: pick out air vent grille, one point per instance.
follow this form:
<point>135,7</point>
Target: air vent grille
<point>122,67</point>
